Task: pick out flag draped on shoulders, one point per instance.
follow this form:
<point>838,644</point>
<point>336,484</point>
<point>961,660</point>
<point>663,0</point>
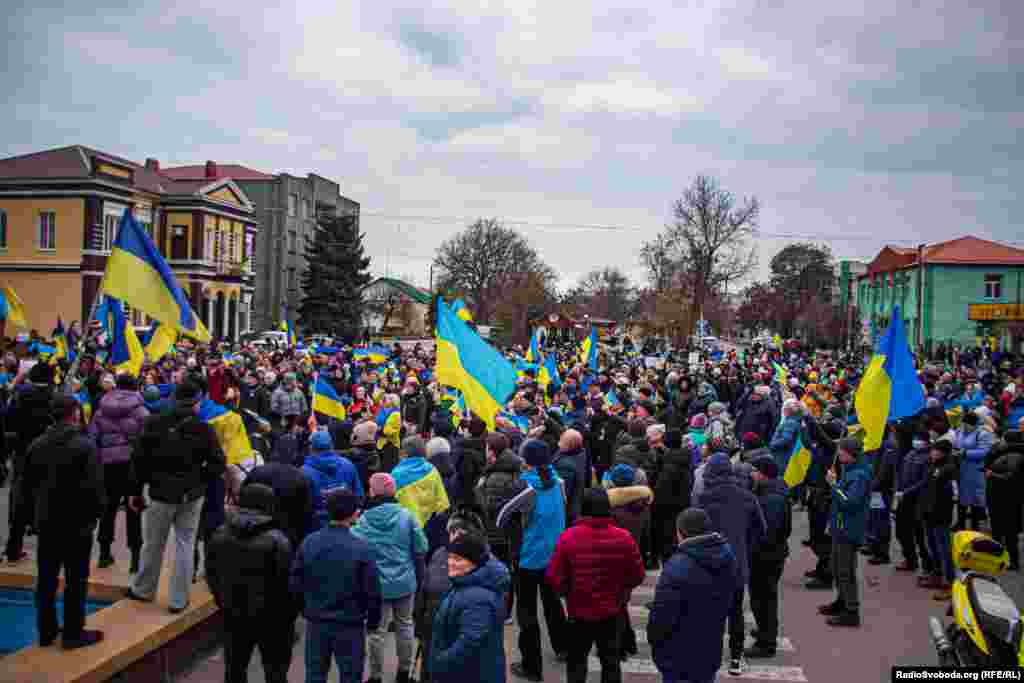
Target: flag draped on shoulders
<point>890,389</point>
<point>230,431</point>
<point>389,422</point>
<point>419,489</point>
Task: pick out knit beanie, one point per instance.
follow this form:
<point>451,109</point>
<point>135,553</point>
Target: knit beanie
<point>382,485</point>
<point>535,452</point>
<point>469,546</point>
<point>622,475</point>
<point>698,421</point>
<point>595,503</point>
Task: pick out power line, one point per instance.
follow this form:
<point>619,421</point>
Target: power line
<point>469,219</point>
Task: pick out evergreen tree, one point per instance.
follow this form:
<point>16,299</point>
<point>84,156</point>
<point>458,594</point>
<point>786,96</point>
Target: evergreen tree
<point>336,273</point>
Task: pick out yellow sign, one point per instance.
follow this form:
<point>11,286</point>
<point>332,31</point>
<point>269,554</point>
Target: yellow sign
<point>995,311</point>
<point>115,171</point>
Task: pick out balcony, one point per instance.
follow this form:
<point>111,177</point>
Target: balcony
<point>232,268</point>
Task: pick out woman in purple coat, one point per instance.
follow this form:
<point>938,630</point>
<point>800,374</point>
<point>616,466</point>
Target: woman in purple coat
<point>115,427</point>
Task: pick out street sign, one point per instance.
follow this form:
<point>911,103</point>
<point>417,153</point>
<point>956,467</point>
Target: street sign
<point>995,311</point>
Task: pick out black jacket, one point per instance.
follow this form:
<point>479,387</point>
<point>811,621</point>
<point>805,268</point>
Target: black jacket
<point>28,418</point>
<point>367,462</point>
<point>247,564</point>
<point>177,455</point>
<point>470,461</point>
<point>935,506</point>
<point>500,483</point>
<point>291,489</point>
<point>778,516</point>
<point>64,476</point>
<point>675,480</point>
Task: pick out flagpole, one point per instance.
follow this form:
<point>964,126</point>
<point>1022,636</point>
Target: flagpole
<point>73,370</point>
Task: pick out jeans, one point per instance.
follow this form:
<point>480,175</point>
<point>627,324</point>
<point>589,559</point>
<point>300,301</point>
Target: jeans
<point>582,636</point>
<point>737,625</point>
<point>939,543</point>
<point>157,521</point>
<point>272,636</point>
<point>401,610</point>
<point>70,550</point>
<point>345,643</point>
<point>764,599</point>
<point>117,480</point>
<point>531,581</point>
<point>844,568</point>
<point>910,534</point>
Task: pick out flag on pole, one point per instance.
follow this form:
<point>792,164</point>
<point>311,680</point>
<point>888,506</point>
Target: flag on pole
<point>161,339</point>
<point>126,354</point>
<point>326,400</point>
<point>588,350</point>
<point>798,462</point>
<point>60,340</point>
<point>11,307</point>
<point>460,310</point>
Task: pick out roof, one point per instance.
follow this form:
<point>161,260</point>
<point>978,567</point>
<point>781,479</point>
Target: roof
<point>65,162</point>
<point>962,251</point>
<point>233,171</point>
<point>418,295</point>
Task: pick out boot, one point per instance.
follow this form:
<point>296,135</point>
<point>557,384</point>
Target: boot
<point>848,619</point>
<point>136,553</point>
<point>832,609</point>
<point>106,559</point>
<point>402,677</point>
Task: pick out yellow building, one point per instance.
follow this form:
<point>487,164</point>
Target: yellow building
<point>59,212</point>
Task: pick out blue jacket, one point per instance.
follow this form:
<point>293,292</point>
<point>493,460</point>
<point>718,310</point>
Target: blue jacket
<point>851,496</point>
<point>395,540</point>
<point>335,574</point>
<point>543,511</point>
<point>326,472</point>
<point>773,497</point>
<point>693,597</point>
<point>976,446</point>
<point>912,474</point>
<point>734,512</point>
<point>784,439</point>
<point>468,644</point>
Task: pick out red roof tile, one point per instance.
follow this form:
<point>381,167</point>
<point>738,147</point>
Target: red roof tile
<point>63,162</point>
<point>973,250</point>
<point>233,171</point>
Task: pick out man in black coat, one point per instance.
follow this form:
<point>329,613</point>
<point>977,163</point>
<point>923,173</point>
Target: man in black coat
<point>247,564</point>
<point>63,471</point>
<point>294,501</point>
<point>769,557</point>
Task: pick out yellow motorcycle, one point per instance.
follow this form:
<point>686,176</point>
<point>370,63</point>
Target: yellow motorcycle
<point>986,628</point>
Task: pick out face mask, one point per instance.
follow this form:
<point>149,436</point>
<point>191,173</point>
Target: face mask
<point>918,444</point>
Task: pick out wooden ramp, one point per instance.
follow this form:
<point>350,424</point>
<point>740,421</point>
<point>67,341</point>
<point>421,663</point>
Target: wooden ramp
<point>133,631</point>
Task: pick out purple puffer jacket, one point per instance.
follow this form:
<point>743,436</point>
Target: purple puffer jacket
<point>117,424</point>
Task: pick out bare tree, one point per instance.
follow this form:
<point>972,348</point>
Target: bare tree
<point>606,293</point>
<point>483,261</point>
<point>708,244</point>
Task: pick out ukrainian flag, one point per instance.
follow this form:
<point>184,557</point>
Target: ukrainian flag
<point>521,422</point>
<point>389,422</point>
<point>890,388</point>
<point>161,339</point>
<point>548,373</point>
<point>60,340</point>
<point>465,361</point>
<point>126,354</point>
<point>292,340</point>
<point>326,400</point>
<point>419,489</point>
<point>459,309</point>
<point>11,308</point>
<point>588,350</point>
<point>374,354</point>
<point>84,400</point>
<point>137,274</point>
<point>230,431</point>
<point>611,399</point>
<point>797,463</point>
<point>533,353</point>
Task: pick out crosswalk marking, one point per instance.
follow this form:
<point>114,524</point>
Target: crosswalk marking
<point>639,614</point>
<point>761,672</point>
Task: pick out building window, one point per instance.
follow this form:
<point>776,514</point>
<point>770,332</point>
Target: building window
<point>993,286</point>
<point>144,215</point>
<point>3,229</point>
<point>305,208</point>
<point>291,240</point>
<point>47,233</point>
<point>209,249</point>
<point>293,202</point>
<point>179,242</point>
<point>111,220</point>
<point>291,279</point>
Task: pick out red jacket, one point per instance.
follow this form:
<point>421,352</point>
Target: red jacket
<point>596,564</point>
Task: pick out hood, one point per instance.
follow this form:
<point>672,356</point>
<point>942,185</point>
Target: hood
<point>775,485</point>
<point>326,462</point>
<point>676,456</point>
<point>533,479</point>
<point>246,523</point>
<point>1014,437</point>
<point>627,495</point>
<point>710,551</point>
<point>381,516</point>
<point>443,463</point>
<point>717,467</point>
<point>491,575</point>
<point>506,462</point>
<point>120,403</point>
<point>569,454</point>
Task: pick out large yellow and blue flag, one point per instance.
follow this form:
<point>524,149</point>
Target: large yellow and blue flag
<point>533,353</point>
<point>548,373</point>
<point>326,400</point>
<point>465,361</point>
<point>60,341</point>
<point>588,350</point>
<point>85,401</point>
<point>460,310</point>
<point>798,462</point>
<point>890,389</point>
<point>286,327</point>
<point>374,353</point>
<point>138,275</point>
<point>11,307</point>
<point>161,339</point>
<point>419,489</point>
<point>230,431</point>
<point>126,354</point>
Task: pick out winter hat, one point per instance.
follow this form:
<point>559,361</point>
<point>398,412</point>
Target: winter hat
<point>673,439</point>
<point>364,433</point>
<point>151,394</point>
<point>341,503</point>
<point>382,485</point>
<point>321,441</point>
<point>41,373</point>
<point>535,452</point>
<point>944,446</point>
<point>258,497</point>
<point>766,465</point>
<point>187,392</point>
<point>437,445</point>
<point>851,446</point>
<point>469,546</point>
<point>595,503</point>
<point>442,427</point>
<point>693,522</point>
<point>622,475</point>
<point>414,447</point>
<point>699,421</point>
<point>751,440</point>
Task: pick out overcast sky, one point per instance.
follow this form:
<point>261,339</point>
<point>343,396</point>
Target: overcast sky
<point>855,122</point>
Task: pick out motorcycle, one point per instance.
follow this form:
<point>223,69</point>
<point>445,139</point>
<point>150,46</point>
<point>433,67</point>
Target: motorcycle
<point>986,630</point>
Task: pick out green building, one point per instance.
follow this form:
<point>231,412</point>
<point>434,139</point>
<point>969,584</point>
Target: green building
<point>965,291</point>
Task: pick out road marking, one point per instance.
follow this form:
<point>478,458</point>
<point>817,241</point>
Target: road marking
<point>639,614</point>
<point>761,672</point>
<point>782,644</point>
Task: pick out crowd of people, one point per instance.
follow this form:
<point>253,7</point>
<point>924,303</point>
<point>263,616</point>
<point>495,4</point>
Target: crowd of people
<point>415,519</point>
